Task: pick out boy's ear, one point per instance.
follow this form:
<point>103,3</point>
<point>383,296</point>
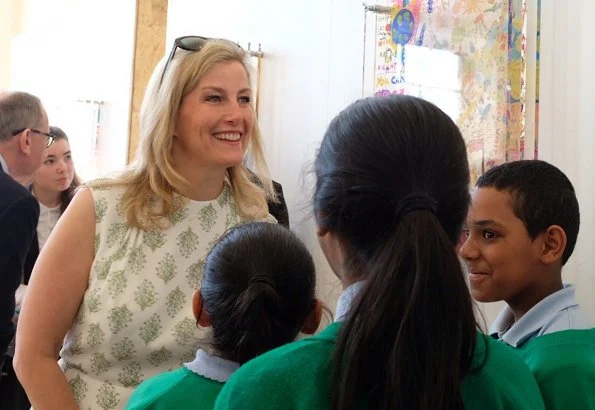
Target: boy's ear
<point>198,308</point>
<point>313,319</point>
<point>554,244</point>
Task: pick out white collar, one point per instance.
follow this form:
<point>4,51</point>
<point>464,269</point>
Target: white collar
<point>346,300</point>
<point>212,367</point>
<point>45,209</point>
<point>516,333</point>
<point>4,165</point>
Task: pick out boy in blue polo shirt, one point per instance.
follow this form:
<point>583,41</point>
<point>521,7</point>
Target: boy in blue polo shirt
<point>521,229</point>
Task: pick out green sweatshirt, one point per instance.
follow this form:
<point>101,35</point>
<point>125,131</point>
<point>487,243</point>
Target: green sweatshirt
<point>176,390</point>
<point>298,376</point>
<point>564,366</point>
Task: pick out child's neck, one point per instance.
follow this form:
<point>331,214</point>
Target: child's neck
<point>532,296</point>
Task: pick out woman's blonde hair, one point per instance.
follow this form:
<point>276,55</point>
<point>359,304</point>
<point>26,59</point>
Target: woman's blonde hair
<point>151,176</point>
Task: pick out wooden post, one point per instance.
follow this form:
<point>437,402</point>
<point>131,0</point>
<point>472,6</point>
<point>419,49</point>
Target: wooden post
<point>149,47</point>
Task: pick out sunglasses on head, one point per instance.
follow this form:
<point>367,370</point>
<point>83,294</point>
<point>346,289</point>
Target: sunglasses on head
<point>49,137</point>
<point>188,43</point>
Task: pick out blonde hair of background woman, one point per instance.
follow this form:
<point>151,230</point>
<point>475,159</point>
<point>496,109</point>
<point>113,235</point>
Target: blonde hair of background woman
<point>152,176</point>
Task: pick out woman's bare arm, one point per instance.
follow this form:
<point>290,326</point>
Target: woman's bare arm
<point>56,289</point>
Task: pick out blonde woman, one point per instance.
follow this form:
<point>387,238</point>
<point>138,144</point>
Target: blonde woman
<point>117,275</point>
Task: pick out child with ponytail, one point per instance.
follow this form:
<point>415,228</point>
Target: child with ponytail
<point>391,194</point>
<point>257,294</point>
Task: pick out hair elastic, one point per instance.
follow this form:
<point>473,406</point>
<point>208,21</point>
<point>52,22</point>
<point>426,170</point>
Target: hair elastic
<point>415,202</point>
<point>262,279</point>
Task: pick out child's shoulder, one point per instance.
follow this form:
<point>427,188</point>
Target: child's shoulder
<point>153,390</point>
<point>178,389</point>
<point>563,364</point>
<point>297,375</point>
<point>297,355</point>
<point>500,379</point>
<point>563,349</point>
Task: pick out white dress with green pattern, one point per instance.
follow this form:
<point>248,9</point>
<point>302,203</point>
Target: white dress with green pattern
<point>136,319</point>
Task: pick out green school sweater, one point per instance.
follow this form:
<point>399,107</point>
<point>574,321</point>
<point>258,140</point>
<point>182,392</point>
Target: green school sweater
<point>176,390</point>
<point>564,366</point>
<point>298,376</point>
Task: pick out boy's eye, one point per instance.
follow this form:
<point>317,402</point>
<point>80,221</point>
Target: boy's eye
<point>488,234</point>
<point>48,162</point>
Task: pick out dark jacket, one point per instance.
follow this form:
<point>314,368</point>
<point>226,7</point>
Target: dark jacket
<point>19,214</point>
<point>279,209</point>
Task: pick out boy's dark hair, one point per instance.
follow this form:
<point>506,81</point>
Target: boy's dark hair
<point>258,289</point>
<point>392,182</point>
<point>542,196</point>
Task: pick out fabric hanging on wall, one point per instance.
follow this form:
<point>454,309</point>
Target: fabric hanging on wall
<point>474,67</point>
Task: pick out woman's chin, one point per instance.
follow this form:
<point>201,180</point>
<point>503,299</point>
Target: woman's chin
<point>63,187</point>
<point>232,161</point>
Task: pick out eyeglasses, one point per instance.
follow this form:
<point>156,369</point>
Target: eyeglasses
<point>49,137</point>
<point>188,43</point>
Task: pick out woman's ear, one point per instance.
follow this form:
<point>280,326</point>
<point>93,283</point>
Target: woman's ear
<point>554,244</point>
<point>198,308</point>
<point>313,320</point>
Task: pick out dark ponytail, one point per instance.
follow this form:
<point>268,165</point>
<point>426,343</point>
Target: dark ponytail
<point>258,289</point>
<point>409,338</point>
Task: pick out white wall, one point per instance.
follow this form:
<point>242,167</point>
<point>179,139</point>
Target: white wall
<point>7,15</point>
<point>567,121</point>
<point>311,70</point>
<point>80,49</point>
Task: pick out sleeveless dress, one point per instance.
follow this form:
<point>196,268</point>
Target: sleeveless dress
<point>136,320</point>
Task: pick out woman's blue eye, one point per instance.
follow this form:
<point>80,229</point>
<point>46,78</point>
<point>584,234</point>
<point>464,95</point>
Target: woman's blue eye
<point>213,98</point>
<point>245,100</point>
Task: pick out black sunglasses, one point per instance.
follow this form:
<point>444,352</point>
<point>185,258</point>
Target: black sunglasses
<point>49,137</point>
<point>188,43</point>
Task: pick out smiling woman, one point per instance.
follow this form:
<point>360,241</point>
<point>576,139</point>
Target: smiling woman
<point>215,119</point>
<point>141,238</point>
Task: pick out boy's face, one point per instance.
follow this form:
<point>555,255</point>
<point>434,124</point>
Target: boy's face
<point>502,260</point>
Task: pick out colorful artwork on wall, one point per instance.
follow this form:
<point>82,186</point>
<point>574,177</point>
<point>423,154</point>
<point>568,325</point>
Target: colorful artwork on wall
<point>487,38</point>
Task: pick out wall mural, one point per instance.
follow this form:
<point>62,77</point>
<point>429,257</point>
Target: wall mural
<point>469,58</point>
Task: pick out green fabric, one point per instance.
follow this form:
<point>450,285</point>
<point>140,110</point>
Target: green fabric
<point>564,366</point>
<point>180,390</point>
<point>298,376</point>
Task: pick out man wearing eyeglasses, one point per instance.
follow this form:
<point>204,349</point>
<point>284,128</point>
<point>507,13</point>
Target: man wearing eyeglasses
<point>24,136</point>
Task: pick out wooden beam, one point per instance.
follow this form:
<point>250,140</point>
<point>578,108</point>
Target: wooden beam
<point>149,47</point>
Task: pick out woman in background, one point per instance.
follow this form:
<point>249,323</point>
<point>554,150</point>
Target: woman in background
<point>54,186</point>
